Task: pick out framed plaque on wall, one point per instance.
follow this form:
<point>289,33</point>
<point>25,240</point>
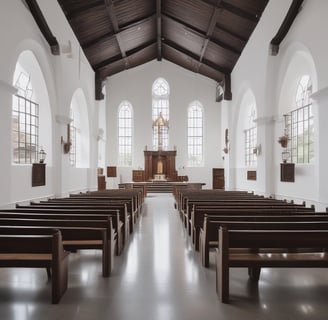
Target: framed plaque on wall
<point>38,174</point>
<point>287,172</point>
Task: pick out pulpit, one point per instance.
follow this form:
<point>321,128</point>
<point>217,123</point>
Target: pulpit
<point>160,165</point>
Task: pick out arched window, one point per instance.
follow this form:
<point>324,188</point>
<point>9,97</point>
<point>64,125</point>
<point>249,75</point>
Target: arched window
<point>79,155</point>
<point>125,120</point>
<point>72,150</point>
<point>25,119</point>
<point>160,108</point>
<point>299,124</point>
<point>195,134</point>
<point>251,139</point>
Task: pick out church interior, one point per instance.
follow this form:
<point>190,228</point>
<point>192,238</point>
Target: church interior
<point>163,159</point>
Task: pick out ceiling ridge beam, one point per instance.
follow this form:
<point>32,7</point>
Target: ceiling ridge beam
<point>293,11</point>
<point>43,26</point>
<point>159,29</point>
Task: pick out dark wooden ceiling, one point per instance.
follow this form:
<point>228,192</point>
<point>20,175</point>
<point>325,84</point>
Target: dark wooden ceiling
<point>204,36</point>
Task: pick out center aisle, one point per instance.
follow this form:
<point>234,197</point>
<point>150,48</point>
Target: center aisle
<point>160,277</point>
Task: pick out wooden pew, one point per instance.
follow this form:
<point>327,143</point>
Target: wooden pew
<point>208,238</point>
<point>121,227</point>
<point>77,235</point>
<point>36,248</point>
<point>268,239</point>
<point>197,217</point>
<point>209,204</point>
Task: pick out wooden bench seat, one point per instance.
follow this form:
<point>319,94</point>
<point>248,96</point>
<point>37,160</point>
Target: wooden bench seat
<point>76,235</point>
<point>209,233</point>
<point>36,248</point>
<point>121,227</point>
<point>315,241</point>
<point>197,218</point>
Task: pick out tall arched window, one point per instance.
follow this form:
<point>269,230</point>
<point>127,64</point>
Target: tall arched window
<point>299,124</point>
<point>25,120</point>
<point>72,150</point>
<point>195,134</point>
<point>251,139</point>
<point>125,120</point>
<point>160,107</point>
<point>79,155</point>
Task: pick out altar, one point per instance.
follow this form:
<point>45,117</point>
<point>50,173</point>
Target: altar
<point>160,165</point>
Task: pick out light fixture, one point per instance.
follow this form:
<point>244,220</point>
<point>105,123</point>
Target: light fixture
<point>257,149</point>
<point>285,156</point>
<point>42,155</point>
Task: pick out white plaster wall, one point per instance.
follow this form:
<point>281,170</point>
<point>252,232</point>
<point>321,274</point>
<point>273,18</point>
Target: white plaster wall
<point>135,86</point>
<point>63,75</point>
<point>264,75</point>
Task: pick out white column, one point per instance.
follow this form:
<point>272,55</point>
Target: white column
<point>320,99</point>
<point>6,94</point>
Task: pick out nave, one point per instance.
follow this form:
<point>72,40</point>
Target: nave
<point>159,276</point>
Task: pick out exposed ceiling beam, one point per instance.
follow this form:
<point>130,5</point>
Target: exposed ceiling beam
<point>195,57</point>
<point>159,29</point>
<point>285,26</point>
<point>113,19</point>
<point>203,35</point>
<point>98,87</point>
<point>210,30</point>
<point>125,27</point>
<point>235,10</point>
<point>43,26</point>
<point>116,58</point>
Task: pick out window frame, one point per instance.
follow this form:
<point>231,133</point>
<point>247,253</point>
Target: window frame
<point>301,144</point>
<point>195,134</point>
<point>160,104</point>
<point>125,134</point>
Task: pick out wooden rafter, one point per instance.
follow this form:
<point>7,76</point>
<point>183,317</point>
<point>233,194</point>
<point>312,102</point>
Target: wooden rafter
<point>107,62</point>
<point>159,29</point>
<point>43,26</point>
<point>203,35</point>
<point>195,57</point>
<point>210,30</point>
<point>113,19</point>
<point>125,27</point>
<point>285,26</point>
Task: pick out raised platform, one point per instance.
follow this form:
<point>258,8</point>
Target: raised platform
<point>159,186</point>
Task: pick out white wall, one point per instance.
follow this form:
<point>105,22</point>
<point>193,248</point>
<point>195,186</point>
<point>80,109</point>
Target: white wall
<point>270,79</point>
<point>135,86</point>
<point>62,75</point>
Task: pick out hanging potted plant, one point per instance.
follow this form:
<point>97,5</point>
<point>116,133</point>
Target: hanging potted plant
<point>283,140</point>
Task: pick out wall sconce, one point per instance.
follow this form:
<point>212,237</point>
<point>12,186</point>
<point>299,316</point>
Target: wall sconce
<point>285,155</point>
<point>42,155</point>
<point>68,143</point>
<point>257,149</point>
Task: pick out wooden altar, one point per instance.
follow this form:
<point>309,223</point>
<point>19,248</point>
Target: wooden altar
<point>160,163</point>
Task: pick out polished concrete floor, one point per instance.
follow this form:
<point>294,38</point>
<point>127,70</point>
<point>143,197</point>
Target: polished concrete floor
<point>159,277</point>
